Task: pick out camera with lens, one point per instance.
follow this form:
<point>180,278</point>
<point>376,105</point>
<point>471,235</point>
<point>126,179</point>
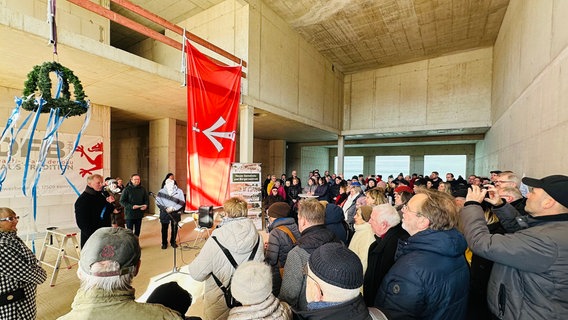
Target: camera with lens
<point>105,193</point>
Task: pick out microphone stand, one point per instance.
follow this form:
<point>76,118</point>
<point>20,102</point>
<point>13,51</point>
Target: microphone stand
<point>160,206</point>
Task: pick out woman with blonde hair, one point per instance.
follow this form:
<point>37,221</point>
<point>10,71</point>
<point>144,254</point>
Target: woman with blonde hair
<point>445,187</point>
<point>240,237</point>
<point>375,196</point>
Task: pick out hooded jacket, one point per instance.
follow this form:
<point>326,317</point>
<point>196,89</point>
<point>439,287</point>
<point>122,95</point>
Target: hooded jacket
<point>239,236</point>
<point>429,280</point>
<point>335,221</point>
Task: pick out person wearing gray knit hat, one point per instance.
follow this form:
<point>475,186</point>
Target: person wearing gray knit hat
<point>251,285</point>
<point>334,276</point>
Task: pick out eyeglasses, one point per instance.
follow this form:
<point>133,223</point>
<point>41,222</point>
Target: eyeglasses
<point>10,218</point>
<point>406,209</point>
<point>305,272</point>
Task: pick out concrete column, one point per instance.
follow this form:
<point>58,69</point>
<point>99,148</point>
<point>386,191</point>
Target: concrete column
<point>162,153</point>
<point>246,130</point>
<point>340,155</point>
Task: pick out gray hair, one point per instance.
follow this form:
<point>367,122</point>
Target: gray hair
<point>121,282</point>
<point>386,212</point>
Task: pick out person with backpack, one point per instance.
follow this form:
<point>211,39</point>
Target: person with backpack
<point>229,246</point>
<point>283,234</point>
<point>311,219</point>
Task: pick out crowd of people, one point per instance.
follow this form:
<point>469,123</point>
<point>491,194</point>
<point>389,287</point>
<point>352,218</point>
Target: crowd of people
<point>409,247</point>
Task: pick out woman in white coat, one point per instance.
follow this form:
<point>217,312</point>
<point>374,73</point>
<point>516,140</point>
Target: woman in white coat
<point>238,234</point>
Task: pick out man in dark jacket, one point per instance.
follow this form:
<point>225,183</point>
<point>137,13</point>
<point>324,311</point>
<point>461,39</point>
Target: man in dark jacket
<point>134,199</point>
<point>334,276</point>
<point>92,209</point>
<point>528,279</point>
<point>430,278</point>
<point>311,217</point>
<point>385,222</point>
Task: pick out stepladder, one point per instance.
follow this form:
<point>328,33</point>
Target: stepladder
<point>64,242</point>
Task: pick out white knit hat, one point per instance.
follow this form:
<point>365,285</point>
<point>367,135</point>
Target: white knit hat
<point>252,282</point>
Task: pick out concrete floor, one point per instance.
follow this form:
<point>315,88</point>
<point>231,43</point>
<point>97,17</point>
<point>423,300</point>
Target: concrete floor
<point>55,301</point>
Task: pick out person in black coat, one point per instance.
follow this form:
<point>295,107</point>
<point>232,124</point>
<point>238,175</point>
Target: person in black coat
<point>93,209</point>
<point>385,222</point>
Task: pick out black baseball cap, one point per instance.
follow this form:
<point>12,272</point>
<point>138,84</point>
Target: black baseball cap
<point>556,186</point>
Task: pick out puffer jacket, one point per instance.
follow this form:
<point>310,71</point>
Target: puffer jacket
<point>119,304</point>
<point>279,244</point>
<point>429,280</point>
<point>530,266</point>
<point>293,290</point>
<point>271,308</point>
<point>239,236</point>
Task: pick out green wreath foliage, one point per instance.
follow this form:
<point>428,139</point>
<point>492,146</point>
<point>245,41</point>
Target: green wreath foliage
<point>38,80</point>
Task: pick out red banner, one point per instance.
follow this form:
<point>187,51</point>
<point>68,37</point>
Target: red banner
<point>213,95</point>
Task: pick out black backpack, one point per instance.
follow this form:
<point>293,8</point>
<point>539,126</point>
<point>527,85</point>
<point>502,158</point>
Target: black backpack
<point>229,300</point>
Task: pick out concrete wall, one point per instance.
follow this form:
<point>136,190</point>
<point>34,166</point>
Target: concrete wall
<point>69,17</point>
<point>530,91</point>
<point>53,210</point>
<point>224,25</point>
<point>289,77</point>
<point>449,92</point>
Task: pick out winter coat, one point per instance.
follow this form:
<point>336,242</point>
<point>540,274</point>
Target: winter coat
<point>530,266</point>
<point>92,212</point>
<point>379,261</point>
<point>19,270</point>
<point>176,201</point>
<point>361,241</point>
<point>293,193</point>
<point>133,195</point>
<point>353,309</point>
<point>429,280</point>
<point>118,304</point>
<point>322,191</point>
<point>239,236</point>
<point>293,289</point>
<point>279,244</point>
<point>271,308</point>
<point>335,222</point>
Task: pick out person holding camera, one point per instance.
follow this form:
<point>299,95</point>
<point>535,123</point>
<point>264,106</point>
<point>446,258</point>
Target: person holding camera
<point>93,208</point>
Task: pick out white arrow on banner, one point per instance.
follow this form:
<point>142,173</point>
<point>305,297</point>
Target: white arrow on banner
<point>210,133</point>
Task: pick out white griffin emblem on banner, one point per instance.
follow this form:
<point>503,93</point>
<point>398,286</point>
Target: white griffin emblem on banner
<point>210,133</point>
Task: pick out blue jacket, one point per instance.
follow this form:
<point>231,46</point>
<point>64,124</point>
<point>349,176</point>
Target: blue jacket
<point>429,280</point>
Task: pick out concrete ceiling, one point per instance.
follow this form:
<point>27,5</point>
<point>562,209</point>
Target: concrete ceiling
<point>355,35</point>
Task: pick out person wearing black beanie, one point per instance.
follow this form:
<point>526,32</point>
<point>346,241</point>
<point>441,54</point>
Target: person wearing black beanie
<point>334,276</point>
